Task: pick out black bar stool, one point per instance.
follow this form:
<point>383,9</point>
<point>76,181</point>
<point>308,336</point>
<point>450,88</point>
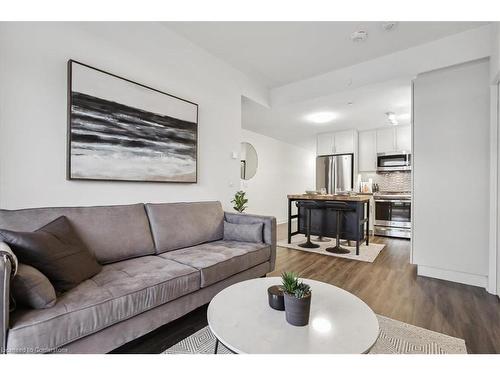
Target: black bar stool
<point>340,208</point>
<point>308,206</point>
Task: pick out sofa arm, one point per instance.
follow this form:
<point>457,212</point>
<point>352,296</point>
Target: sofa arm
<point>269,235</point>
<point>8,268</point>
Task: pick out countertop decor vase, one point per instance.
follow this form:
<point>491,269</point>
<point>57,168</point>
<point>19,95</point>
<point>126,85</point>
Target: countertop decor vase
<point>297,310</point>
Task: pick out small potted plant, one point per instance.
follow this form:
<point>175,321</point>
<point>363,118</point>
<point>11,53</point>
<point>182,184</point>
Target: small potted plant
<point>297,299</point>
<point>239,201</point>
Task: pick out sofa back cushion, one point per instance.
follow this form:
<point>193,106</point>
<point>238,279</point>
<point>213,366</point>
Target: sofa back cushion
<point>178,225</point>
<point>112,233</point>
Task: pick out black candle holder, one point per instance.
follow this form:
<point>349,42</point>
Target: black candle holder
<point>276,297</point>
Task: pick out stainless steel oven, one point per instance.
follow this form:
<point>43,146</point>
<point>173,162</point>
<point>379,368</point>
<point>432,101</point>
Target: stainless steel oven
<point>393,215</point>
<point>393,161</point>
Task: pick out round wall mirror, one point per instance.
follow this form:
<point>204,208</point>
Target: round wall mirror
<point>249,161</point>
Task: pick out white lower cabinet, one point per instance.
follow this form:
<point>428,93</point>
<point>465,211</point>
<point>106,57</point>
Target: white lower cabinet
<point>371,207</point>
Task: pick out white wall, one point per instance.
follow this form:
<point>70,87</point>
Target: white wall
<point>33,109</point>
<point>282,169</point>
<point>451,173</point>
<point>494,157</point>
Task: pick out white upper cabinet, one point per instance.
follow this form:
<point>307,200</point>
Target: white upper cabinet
<point>325,144</point>
<point>342,142</point>
<point>403,138</point>
<point>386,140</point>
<point>394,139</point>
<point>367,151</point>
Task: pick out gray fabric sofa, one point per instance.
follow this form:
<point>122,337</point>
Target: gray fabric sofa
<point>161,261</point>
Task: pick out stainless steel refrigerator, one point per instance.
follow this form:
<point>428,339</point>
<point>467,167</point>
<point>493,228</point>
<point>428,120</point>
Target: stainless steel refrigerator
<point>335,173</point>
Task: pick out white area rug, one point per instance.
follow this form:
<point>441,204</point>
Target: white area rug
<point>395,338</point>
<point>366,253</point>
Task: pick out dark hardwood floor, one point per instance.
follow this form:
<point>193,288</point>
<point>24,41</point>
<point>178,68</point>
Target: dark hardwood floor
<point>389,286</point>
<point>168,335</point>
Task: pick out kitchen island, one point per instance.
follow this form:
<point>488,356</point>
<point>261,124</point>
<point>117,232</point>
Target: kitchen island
<point>324,221</point>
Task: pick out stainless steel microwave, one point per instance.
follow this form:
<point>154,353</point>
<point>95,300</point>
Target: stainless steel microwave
<point>393,161</point>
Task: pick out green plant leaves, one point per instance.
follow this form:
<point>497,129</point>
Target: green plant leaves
<point>239,201</point>
<point>292,285</point>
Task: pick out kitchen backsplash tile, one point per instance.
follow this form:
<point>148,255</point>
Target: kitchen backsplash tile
<point>390,181</point>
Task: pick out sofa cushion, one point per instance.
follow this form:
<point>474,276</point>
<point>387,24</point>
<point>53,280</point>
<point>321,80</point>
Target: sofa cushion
<point>56,251</point>
<point>32,289</point>
<point>178,225</point>
<point>243,232</point>
<point>120,291</point>
<point>221,259</point>
<point>113,233</point>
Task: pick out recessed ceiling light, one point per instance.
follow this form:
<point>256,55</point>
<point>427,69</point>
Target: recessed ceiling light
<point>359,36</point>
<point>321,117</point>
<point>391,118</point>
<point>350,103</point>
<point>389,26</point>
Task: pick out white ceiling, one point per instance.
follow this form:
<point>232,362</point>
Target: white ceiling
<point>278,53</point>
<point>367,111</point>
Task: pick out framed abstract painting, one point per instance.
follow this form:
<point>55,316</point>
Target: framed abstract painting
<point>121,130</point>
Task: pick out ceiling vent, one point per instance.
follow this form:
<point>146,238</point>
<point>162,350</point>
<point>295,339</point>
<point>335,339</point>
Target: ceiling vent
<point>359,36</point>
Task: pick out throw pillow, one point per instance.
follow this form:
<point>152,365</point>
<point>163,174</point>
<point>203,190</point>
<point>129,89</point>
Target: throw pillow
<point>32,289</point>
<point>56,251</point>
<point>243,232</point>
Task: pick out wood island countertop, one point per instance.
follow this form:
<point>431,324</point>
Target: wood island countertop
<point>330,197</point>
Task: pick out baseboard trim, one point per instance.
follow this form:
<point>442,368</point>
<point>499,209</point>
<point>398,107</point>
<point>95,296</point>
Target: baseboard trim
<point>455,276</point>
<point>281,222</point>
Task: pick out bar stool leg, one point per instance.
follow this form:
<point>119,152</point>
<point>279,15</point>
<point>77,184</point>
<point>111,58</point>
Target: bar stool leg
<point>337,249</point>
<point>308,244</point>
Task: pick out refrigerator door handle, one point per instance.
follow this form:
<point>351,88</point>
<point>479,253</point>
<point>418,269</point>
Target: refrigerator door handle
<point>331,178</point>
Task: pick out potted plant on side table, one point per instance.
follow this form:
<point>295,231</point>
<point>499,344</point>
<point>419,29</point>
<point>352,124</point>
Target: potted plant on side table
<point>297,299</point>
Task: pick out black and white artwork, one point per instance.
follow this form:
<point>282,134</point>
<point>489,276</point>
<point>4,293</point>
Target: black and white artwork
<point>122,130</point>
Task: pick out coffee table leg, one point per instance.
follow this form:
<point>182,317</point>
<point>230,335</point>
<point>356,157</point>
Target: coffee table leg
<point>216,345</point>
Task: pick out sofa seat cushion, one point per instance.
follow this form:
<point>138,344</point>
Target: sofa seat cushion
<point>221,259</point>
<point>120,291</point>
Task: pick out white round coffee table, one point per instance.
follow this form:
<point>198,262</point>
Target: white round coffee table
<point>340,323</point>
